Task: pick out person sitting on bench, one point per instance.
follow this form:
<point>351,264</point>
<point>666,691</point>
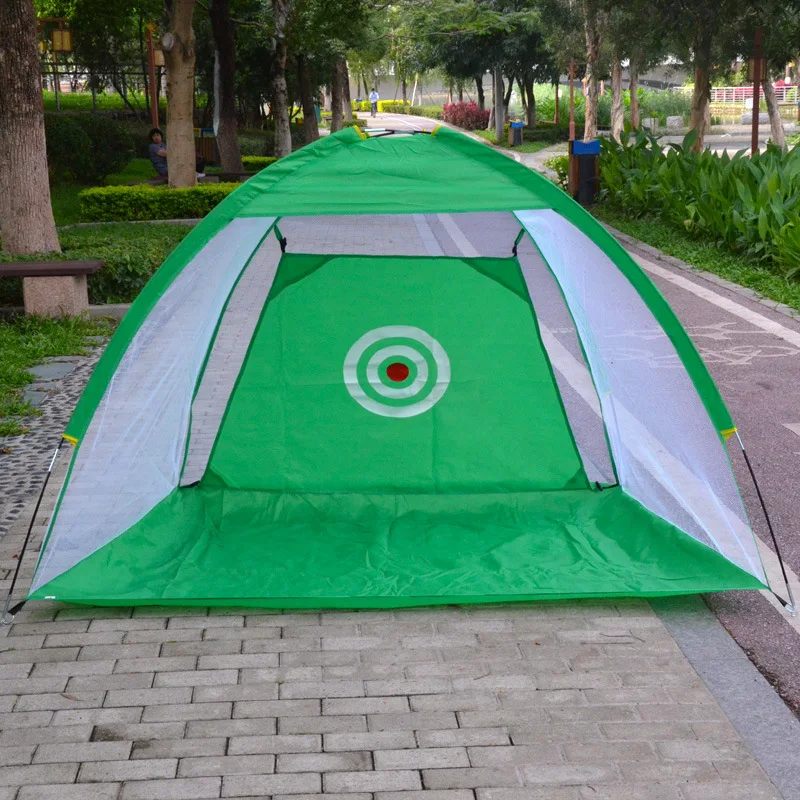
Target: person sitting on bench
<point>158,155</point>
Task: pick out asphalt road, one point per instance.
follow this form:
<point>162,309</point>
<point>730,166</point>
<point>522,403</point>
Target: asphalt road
<point>753,354</point>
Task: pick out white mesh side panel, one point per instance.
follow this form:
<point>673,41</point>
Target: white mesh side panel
<point>667,453</point>
<point>227,355</point>
<point>131,456</point>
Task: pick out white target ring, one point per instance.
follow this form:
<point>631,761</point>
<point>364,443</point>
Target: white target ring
<point>405,377</point>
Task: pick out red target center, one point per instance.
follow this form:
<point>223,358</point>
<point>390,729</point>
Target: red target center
<point>397,372</point>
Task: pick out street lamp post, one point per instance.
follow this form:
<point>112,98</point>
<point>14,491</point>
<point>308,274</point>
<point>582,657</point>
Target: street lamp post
<point>151,66</point>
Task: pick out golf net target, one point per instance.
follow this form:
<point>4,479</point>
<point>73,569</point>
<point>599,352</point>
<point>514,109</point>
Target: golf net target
<point>397,371</point>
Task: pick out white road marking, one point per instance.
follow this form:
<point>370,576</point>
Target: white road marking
<point>458,237</point>
<point>794,427</point>
<point>731,306</point>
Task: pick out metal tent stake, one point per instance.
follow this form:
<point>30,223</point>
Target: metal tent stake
<point>6,619</point>
<point>791,606</point>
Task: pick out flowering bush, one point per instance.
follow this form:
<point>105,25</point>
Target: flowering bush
<point>465,115</point>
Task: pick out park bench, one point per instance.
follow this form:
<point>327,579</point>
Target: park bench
<point>53,288</point>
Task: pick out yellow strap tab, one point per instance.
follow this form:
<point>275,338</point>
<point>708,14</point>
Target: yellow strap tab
<point>71,439</point>
<point>433,132</point>
<point>728,432</point>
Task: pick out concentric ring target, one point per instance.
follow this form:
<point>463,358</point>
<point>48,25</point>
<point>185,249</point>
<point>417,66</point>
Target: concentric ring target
<point>397,371</point>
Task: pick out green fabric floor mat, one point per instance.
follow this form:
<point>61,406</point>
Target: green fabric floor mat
<point>224,547</point>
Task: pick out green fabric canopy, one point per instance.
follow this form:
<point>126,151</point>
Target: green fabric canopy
<point>384,430</point>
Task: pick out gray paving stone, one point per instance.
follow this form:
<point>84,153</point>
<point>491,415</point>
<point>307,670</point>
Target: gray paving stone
<point>443,794</point>
<point>82,751</point>
<point>290,784</point>
<point>383,740</point>
<point>417,721</point>
<point>260,764</point>
<point>422,758</point>
<point>324,762</point>
<point>367,705</point>
<point>372,781</point>
<point>731,790</point>
<point>470,778</point>
<point>60,791</point>
<point>176,789</point>
<point>15,756</point>
<point>236,692</point>
<point>277,708</point>
<point>320,689</point>
<point>143,769</point>
<point>632,791</point>
<point>178,748</point>
<point>38,773</point>
<point>327,724</point>
<point>137,732</point>
<point>262,726</point>
<point>187,711</point>
<point>518,755</point>
<point>309,743</point>
<point>463,737</point>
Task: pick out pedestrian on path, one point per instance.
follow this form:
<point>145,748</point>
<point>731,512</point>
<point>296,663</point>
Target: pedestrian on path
<point>373,99</point>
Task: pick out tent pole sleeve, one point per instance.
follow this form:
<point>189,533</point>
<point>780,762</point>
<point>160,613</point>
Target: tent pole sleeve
<point>6,619</point>
<point>791,606</point>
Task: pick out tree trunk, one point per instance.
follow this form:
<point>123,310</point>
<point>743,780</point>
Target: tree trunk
<point>25,211</point>
<point>405,92</point>
<point>336,96</point>
<point>775,121</point>
<point>701,96</point>
<point>507,97</point>
<point>225,86</point>
<point>310,126</point>
<point>460,92</point>
<point>633,75</point>
<point>481,95</point>
<point>530,103</point>
<point>280,93</point>
<point>499,116</point>
<point>617,109</point>
<point>347,103</point>
<point>592,30</point>
<point>180,95</point>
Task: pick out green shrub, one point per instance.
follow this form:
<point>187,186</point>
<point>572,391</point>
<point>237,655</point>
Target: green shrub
<point>354,123</point>
<point>559,165</point>
<point>254,163</point>
<point>68,146</point>
<point>143,202</point>
<point>749,204</point>
<point>398,107</point>
<point>86,147</point>
<point>252,145</point>
<point>111,143</point>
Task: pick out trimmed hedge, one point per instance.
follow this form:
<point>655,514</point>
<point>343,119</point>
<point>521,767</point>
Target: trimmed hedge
<point>253,163</point>
<point>354,123</point>
<point>143,202</point>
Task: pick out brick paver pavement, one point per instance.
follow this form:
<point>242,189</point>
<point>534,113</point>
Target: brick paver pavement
<point>558,701</point>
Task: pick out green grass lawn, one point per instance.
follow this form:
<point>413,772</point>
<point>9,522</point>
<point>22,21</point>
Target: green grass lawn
<point>24,342</point>
<point>140,169</point>
<point>704,255</point>
<point>525,147</point>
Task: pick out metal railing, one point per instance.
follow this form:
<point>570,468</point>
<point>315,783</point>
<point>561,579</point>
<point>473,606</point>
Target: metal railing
<point>737,95</point>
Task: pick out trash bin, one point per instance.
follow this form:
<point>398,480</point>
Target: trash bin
<point>515,134</point>
<point>584,170</point>
<point>318,113</point>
